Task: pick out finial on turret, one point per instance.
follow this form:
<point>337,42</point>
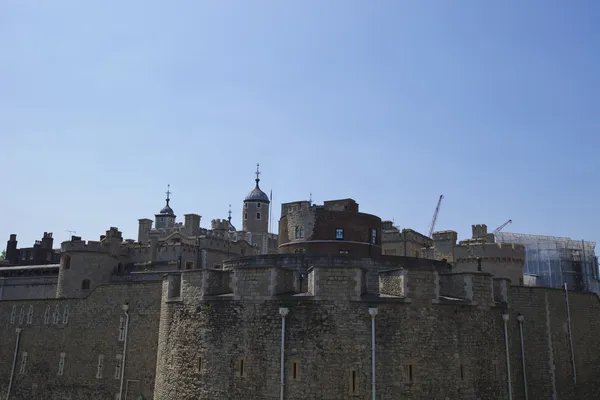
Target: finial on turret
<point>168,193</point>
<point>257,173</point>
<point>229,218</point>
<point>310,198</point>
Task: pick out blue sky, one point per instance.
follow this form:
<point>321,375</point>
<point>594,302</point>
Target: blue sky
<point>493,104</point>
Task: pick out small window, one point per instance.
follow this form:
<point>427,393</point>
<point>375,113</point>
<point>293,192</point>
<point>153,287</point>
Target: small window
<point>47,315</point>
<point>344,252</point>
<point>199,364</point>
<point>30,315</point>
<point>245,205</point>
<point>257,215</point>
<point>118,366</point>
<point>61,364</point>
<point>462,372</point>
<point>13,314</point>
<point>189,265</point>
<point>299,232</point>
<point>295,370</point>
<point>85,284</point>
<point>120,267</point>
<point>408,373</point>
<point>339,234</point>
<point>416,253</point>
<point>245,215</point>
<point>22,315</point>
<point>373,236</point>
<point>23,363</point>
<point>171,362</point>
<point>67,261</point>
<point>258,205</point>
<point>353,383</point>
<point>55,315</point>
<point>241,368</point>
<point>65,318</point>
<point>121,328</point>
<point>100,367</point>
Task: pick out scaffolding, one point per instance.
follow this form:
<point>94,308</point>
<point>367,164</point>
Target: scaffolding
<point>553,261</point>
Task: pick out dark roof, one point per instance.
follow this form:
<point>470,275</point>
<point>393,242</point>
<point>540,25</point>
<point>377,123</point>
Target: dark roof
<point>257,195</point>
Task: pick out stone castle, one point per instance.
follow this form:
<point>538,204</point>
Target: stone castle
<point>338,305</point>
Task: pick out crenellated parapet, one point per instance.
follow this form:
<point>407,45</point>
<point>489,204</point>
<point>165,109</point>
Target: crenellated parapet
<point>500,259</point>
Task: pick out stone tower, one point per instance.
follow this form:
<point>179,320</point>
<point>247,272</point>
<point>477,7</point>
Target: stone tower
<point>255,213</point>
<point>166,217</point>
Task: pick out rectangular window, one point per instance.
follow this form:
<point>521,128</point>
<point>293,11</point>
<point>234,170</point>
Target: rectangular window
<point>353,382</point>
<point>121,328</point>
<point>22,315</point>
<point>408,373</point>
<point>118,366</point>
<point>257,215</point>
<point>189,265</point>
<point>65,318</point>
<point>61,364</point>
<point>462,373</point>
<point>339,234</point>
<point>100,368</point>
<point>295,370</point>
<point>55,315</point>
<point>47,315</point>
<point>199,364</point>
<point>373,236</point>
<point>23,363</point>
<point>13,314</point>
<point>242,368</point>
<point>30,315</point>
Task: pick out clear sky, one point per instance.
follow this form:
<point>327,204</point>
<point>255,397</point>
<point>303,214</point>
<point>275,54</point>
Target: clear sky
<point>495,105</point>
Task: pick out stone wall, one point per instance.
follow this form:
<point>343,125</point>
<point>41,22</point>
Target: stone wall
<point>28,287</point>
<point>427,347</point>
<point>82,329</point>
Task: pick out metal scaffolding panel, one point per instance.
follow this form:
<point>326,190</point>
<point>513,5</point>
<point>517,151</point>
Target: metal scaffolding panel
<point>556,260</point>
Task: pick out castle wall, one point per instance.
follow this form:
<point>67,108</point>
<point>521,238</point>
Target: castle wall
<point>82,329</point>
<point>427,347</point>
<point>28,287</point>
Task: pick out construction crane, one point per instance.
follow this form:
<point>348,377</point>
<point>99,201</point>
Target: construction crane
<point>498,229</point>
<point>435,215</point>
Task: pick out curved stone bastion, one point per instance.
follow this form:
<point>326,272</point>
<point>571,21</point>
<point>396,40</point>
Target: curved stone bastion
<point>435,335</point>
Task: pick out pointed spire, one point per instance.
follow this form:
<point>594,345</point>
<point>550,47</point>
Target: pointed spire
<point>168,193</point>
<point>257,174</point>
<point>229,218</point>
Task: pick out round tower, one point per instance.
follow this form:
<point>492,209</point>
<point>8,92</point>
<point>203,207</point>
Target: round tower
<point>84,266</point>
<point>255,212</point>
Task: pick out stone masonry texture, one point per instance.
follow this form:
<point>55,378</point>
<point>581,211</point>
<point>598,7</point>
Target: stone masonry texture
<point>216,334</point>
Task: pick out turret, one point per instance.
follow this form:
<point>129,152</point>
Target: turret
<point>192,224</point>
<point>165,219</point>
<point>145,226</point>
<point>85,265</point>
<point>255,213</point>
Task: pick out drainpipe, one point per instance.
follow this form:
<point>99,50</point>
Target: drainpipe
<point>283,312</point>
<point>12,372</point>
<point>520,319</point>
<point>125,311</point>
<point>570,334</point>
<point>373,314</point>
<point>505,318</point>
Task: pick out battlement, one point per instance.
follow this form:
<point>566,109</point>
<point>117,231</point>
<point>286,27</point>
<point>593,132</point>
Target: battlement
<point>445,236</point>
<point>81,245</point>
<point>498,251</point>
